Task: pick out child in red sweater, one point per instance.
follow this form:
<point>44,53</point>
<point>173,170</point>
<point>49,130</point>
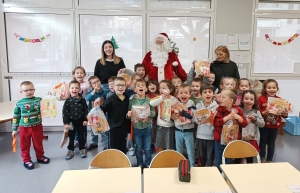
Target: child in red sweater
<point>228,117</point>
<point>268,133</point>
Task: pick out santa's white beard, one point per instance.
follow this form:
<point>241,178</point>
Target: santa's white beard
<point>159,55</point>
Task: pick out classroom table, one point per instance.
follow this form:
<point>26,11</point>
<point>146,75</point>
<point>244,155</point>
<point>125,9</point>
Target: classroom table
<point>7,111</point>
<point>114,180</point>
<point>266,177</point>
<point>203,179</point>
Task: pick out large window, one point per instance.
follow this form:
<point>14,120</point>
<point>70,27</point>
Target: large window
<point>39,42</point>
<point>125,30</point>
<point>191,35</point>
<point>268,5</point>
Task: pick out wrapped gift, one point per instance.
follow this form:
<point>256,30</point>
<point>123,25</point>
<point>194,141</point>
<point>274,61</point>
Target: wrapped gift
<point>230,132</point>
<point>97,120</point>
<point>250,132</point>
<point>127,78</point>
<point>48,106</point>
<point>203,68</point>
<point>277,106</point>
<point>14,144</point>
<point>62,91</point>
<point>203,116</point>
<point>139,112</point>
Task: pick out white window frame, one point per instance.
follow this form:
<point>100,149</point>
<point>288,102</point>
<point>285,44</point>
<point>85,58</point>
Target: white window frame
<point>24,5</point>
<point>172,14</point>
<point>78,7</point>
<point>256,10</point>
<point>282,14</point>
<point>212,8</point>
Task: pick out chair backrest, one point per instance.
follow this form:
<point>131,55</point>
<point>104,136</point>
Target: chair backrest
<point>239,149</point>
<point>110,158</point>
<point>166,159</point>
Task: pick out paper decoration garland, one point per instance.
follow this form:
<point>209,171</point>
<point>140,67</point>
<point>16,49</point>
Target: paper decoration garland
<point>281,43</point>
<point>31,40</point>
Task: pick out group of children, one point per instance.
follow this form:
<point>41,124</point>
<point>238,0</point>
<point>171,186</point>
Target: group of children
<point>160,130</point>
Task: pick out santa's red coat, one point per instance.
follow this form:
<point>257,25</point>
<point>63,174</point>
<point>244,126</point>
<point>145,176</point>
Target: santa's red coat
<point>169,69</point>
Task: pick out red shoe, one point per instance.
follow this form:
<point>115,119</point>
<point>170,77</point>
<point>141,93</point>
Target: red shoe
<point>45,136</point>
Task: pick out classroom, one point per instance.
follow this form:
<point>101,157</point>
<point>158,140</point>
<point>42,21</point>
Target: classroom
<point>71,52</point>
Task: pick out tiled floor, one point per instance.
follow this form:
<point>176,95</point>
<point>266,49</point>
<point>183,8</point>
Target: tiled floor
<point>14,178</point>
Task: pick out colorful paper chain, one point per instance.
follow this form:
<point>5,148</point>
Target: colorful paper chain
<point>281,43</point>
<point>31,40</point>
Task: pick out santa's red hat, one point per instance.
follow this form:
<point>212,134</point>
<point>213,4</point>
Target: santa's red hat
<point>163,36</point>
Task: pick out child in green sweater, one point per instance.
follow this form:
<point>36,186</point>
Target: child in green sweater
<point>27,117</point>
<point>142,127</point>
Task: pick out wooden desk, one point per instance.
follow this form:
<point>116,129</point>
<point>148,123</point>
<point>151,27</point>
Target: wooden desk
<point>267,177</point>
<point>7,111</point>
<point>115,180</point>
<point>203,179</point>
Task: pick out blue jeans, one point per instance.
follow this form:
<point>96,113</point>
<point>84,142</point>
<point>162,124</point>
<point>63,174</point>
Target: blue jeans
<point>219,153</point>
<point>105,87</point>
<point>142,138</point>
<point>104,138</point>
<point>188,137</point>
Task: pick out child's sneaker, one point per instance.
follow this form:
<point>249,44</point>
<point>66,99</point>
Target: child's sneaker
<point>69,155</point>
<point>83,153</point>
<point>263,160</point>
<point>29,165</point>
<point>132,151</point>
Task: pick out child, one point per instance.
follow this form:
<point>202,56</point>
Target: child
<point>75,111</point>
<point>79,74</point>
<point>91,96</point>
<point>176,82</point>
<point>152,93</point>
<point>116,107</point>
<point>211,80</point>
<point>142,129</point>
<point>140,69</point>
<point>27,117</point>
<point>111,86</point>
<point>130,92</point>
<point>268,133</point>
<point>225,112</point>
<point>226,82</point>
<point>184,127</point>
<point>252,115</point>
<point>244,84</point>
<point>205,130</point>
<point>196,95</point>
<point>165,126</point>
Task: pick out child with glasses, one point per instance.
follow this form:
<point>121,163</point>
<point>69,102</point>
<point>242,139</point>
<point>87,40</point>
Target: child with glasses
<point>91,96</point>
<point>27,117</point>
<point>116,107</point>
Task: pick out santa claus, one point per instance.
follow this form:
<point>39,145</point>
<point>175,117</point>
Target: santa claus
<point>161,62</point>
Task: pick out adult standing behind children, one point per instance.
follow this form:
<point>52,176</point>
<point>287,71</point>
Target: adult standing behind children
<point>27,117</point>
<point>108,65</point>
<point>161,61</point>
<point>223,66</point>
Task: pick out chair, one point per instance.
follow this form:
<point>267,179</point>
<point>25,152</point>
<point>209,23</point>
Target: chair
<point>239,149</point>
<point>110,158</point>
<point>166,159</point>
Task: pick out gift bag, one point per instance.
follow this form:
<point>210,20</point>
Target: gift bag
<point>202,116</point>
<point>203,68</point>
<point>65,138</point>
<point>97,121</point>
<point>165,108</point>
<point>230,132</point>
<point>62,91</point>
<point>181,120</point>
<point>127,78</point>
<point>139,112</point>
<point>48,106</point>
<point>250,132</point>
<point>277,106</point>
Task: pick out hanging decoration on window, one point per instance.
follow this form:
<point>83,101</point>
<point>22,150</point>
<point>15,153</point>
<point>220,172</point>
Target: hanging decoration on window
<point>281,43</point>
<point>114,42</point>
<point>174,48</point>
<point>31,40</point>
